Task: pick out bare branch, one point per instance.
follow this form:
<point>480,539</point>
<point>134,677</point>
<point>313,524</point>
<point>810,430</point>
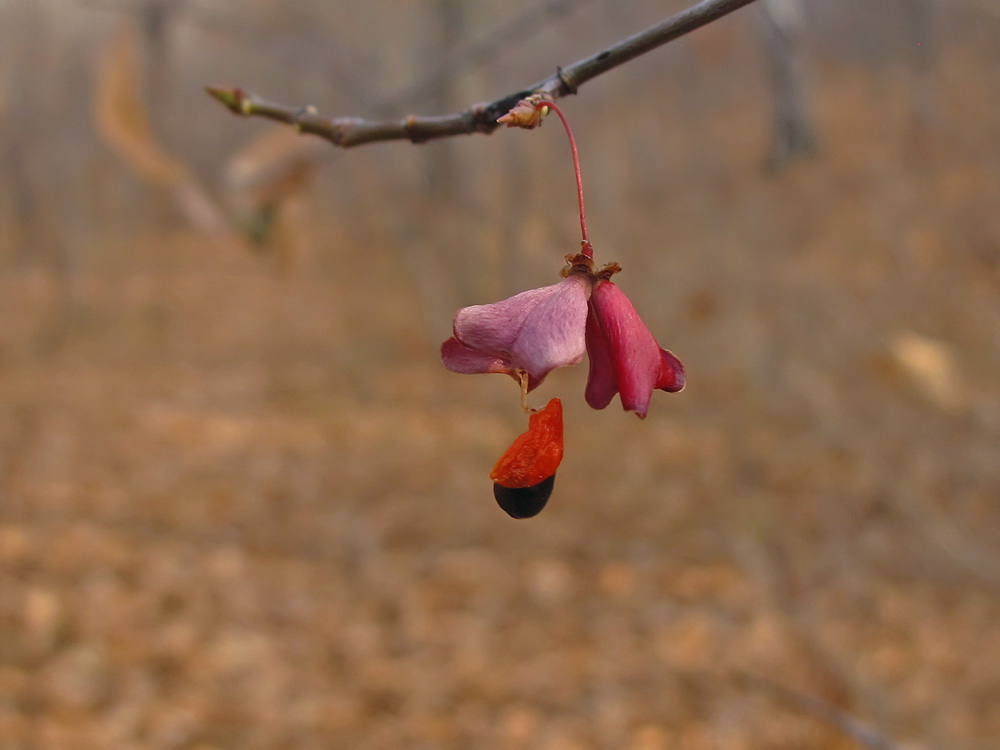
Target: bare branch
<point>481,118</point>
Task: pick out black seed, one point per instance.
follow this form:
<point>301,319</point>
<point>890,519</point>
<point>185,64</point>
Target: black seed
<point>524,502</point>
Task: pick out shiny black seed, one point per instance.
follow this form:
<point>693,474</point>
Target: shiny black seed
<point>524,502</point>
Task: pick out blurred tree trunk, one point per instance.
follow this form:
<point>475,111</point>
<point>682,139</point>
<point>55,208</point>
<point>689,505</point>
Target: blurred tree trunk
<point>153,21</point>
<point>442,174</point>
<point>436,275</point>
<point>20,40</point>
<point>782,25</point>
<point>39,230</point>
<point>920,21</point>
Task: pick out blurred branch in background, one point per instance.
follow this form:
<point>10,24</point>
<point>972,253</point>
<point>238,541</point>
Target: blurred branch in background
<point>334,59</point>
<point>861,732</point>
<point>482,118</point>
<point>480,52</point>
<point>990,7</point>
<point>122,119</point>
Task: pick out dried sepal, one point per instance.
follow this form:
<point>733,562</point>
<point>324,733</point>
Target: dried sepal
<point>527,113</point>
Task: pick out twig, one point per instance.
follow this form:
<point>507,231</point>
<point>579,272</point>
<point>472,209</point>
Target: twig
<point>481,118</point>
<point>475,54</point>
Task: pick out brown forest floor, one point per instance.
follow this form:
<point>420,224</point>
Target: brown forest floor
<point>243,511</point>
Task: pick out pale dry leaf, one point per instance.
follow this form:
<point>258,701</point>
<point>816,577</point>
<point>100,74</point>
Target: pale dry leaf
<point>930,364</point>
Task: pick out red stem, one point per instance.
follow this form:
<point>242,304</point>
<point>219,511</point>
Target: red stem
<point>587,248</point>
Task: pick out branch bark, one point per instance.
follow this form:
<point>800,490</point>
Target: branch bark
<point>480,118</point>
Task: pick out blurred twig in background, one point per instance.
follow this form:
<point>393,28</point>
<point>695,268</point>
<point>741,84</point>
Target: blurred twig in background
<point>121,117</point>
<point>862,732</point>
<point>479,52</point>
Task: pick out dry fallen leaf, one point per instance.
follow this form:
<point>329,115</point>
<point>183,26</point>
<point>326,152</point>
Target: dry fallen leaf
<point>930,365</point>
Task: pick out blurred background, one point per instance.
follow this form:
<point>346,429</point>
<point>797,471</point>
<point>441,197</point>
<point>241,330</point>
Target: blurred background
<point>242,505</point>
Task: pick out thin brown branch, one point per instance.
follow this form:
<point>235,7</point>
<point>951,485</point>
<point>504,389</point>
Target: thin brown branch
<point>481,118</point>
